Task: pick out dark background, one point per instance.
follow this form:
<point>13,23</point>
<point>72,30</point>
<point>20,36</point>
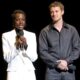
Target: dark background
<point>37,18</point>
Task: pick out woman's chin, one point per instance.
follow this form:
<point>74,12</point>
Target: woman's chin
<point>21,27</point>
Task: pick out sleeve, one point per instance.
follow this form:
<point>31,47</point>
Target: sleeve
<point>43,50</point>
<point>75,47</point>
<point>8,53</point>
<point>31,51</point>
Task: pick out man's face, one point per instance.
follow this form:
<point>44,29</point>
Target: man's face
<point>19,21</point>
<point>56,13</point>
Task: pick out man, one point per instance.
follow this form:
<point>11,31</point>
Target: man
<point>59,45</point>
<point>19,49</point>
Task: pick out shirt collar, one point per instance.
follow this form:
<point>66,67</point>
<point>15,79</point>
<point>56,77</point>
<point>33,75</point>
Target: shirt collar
<point>64,25</point>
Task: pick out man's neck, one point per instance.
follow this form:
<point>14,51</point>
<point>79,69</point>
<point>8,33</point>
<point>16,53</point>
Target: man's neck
<point>58,25</point>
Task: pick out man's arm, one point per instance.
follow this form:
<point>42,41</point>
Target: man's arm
<point>75,47</point>
<point>44,54</point>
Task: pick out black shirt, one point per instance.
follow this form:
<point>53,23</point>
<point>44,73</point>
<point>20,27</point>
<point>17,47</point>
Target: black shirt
<point>55,45</point>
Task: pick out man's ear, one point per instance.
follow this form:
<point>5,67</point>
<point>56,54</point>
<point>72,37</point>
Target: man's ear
<point>62,12</point>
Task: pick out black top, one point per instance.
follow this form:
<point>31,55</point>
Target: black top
<point>55,45</point>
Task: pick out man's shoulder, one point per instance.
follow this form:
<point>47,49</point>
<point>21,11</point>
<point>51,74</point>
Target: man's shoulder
<point>70,26</point>
<point>46,28</point>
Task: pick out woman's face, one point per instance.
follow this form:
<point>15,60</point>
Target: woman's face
<point>19,21</point>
